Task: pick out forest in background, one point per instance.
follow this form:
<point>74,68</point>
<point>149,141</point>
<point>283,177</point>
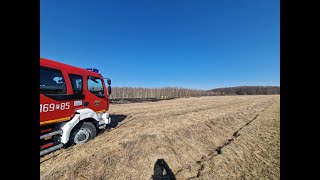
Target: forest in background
<point>176,92</point>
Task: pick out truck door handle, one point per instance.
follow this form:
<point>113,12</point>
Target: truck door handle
<point>86,103</point>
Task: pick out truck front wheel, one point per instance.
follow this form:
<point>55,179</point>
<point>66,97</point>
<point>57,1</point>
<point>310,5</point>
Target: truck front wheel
<point>82,133</point>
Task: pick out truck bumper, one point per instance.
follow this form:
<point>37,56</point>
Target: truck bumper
<point>104,120</point>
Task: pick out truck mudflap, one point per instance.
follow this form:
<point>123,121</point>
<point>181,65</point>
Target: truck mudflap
<point>104,119</point>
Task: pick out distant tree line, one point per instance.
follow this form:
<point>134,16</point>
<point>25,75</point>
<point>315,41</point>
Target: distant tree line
<point>176,92</point>
<point>247,90</point>
<point>160,93</point>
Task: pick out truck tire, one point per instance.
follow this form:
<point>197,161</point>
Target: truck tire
<point>82,133</point>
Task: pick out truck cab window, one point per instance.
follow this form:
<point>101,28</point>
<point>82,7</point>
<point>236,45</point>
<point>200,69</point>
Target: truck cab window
<point>95,86</point>
<point>51,82</point>
<point>76,82</point>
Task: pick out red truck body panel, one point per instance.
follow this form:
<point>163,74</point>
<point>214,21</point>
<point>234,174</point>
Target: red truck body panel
<point>56,110</point>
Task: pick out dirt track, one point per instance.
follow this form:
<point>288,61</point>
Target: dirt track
<point>234,137</point>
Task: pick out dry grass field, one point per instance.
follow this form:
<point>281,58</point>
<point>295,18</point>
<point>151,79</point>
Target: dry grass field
<point>216,137</point>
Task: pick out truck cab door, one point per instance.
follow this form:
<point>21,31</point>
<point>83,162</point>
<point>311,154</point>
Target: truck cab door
<point>96,96</point>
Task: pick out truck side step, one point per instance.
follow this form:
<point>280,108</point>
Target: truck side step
<point>43,152</point>
<point>51,134</point>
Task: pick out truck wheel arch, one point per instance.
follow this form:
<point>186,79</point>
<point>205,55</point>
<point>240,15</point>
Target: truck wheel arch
<point>81,115</point>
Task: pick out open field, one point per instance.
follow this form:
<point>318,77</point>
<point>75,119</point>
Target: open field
<point>216,137</point>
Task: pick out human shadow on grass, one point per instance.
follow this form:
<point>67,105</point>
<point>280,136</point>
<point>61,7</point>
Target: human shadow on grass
<point>162,171</point>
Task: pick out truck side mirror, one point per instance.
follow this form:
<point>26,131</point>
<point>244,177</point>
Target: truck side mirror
<point>109,90</point>
<point>109,81</point>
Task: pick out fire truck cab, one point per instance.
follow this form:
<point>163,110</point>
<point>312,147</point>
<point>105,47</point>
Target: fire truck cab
<point>73,104</point>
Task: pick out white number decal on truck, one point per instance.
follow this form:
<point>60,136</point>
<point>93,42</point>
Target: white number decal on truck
<point>52,107</point>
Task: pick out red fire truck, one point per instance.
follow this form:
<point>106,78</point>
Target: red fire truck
<point>73,104</point>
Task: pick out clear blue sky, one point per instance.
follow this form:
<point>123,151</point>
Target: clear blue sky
<point>154,43</point>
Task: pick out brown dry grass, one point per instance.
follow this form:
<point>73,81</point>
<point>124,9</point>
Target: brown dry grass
<point>184,132</point>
